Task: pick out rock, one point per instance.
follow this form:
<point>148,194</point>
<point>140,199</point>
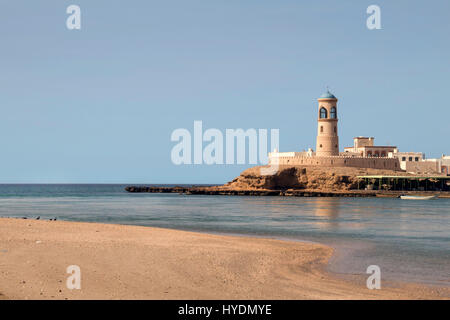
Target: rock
<point>287,181</point>
<point>303,178</point>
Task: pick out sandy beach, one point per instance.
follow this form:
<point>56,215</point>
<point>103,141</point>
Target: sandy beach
<point>131,262</point>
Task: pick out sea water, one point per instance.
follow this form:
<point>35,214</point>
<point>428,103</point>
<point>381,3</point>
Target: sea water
<point>408,240</point>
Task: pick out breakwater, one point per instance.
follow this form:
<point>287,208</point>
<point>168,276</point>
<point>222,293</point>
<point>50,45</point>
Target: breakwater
<point>232,192</point>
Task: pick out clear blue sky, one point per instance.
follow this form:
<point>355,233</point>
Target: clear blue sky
<point>99,104</point>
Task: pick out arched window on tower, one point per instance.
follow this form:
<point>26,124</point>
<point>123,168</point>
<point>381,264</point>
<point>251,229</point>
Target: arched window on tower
<point>333,113</point>
<point>323,113</point>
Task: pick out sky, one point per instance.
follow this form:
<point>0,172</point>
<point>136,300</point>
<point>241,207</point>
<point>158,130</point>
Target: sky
<point>99,104</point>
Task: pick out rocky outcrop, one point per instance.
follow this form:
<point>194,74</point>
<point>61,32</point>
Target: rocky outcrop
<point>293,178</point>
<point>309,181</point>
<point>301,178</point>
<point>157,189</point>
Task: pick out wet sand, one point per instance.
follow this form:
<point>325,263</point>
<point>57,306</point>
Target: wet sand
<point>132,262</point>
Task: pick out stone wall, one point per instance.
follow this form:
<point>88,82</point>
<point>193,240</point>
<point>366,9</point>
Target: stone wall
<point>422,166</point>
<point>339,161</point>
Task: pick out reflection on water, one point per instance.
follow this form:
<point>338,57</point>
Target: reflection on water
<point>407,239</point>
<point>328,210</point>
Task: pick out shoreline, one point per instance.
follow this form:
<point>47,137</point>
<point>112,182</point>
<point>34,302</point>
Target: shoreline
<point>281,193</point>
<point>337,252</point>
<point>134,262</point>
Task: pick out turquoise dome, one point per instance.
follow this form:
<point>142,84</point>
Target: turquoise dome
<point>327,95</point>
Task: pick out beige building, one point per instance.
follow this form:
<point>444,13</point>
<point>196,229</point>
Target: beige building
<point>363,154</point>
<point>410,160</point>
<point>327,145</point>
<point>441,165</point>
<point>327,133</point>
<point>445,165</point>
<point>365,147</point>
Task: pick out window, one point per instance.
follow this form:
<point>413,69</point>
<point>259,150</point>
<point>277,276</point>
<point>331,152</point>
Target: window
<point>321,128</point>
<point>335,130</point>
<point>323,113</point>
<point>410,159</point>
<point>403,158</point>
<point>333,113</point>
<point>321,146</point>
<point>416,159</point>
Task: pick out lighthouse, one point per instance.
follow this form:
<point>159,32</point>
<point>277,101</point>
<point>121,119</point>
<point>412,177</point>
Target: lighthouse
<point>327,129</point>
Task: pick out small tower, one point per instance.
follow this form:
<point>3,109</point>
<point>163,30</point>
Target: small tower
<point>327,134</point>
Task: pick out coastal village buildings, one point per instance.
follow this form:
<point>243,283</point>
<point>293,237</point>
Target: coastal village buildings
<point>364,147</point>
<point>363,154</point>
<point>441,165</point>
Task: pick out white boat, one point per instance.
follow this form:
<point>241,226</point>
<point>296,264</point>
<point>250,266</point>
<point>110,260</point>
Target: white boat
<point>418,197</point>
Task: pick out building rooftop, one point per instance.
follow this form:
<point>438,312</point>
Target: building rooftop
<point>327,95</point>
<point>375,147</point>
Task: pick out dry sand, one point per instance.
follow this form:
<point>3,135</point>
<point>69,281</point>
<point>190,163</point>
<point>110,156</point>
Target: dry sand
<point>129,262</point>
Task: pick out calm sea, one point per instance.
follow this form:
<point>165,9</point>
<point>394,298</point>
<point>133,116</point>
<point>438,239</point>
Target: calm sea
<point>409,240</point>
